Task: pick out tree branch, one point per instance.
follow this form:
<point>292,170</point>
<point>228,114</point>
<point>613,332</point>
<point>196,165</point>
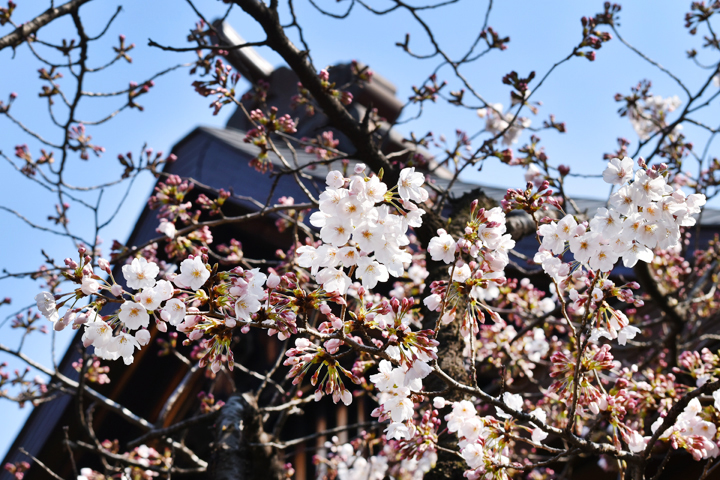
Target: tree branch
<point>26,29</point>
<point>367,150</point>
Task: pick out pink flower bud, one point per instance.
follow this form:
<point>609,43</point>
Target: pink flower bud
<point>273,281</point>
<point>142,336</point>
<point>104,265</point>
<point>337,323</point>
<point>71,263</point>
<point>333,345</point>
<point>395,304</point>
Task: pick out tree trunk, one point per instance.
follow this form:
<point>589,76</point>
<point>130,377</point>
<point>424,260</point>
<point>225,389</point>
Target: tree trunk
<point>237,452</point>
<point>452,344</point>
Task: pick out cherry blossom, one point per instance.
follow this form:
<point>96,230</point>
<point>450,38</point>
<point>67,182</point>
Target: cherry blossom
<point>124,345</point>
<point>174,311</point>
<point>193,274</point>
<point>140,273</point>
<point>133,315</point>
<point>618,171</point>
<point>46,305</point>
<point>410,185</point>
<point>90,286</point>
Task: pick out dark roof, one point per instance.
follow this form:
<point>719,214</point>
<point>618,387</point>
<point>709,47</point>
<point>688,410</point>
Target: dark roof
<point>234,139</point>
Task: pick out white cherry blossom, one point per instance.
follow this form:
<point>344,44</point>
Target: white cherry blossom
<point>97,333</point>
<point>334,179</point>
<point>371,272</point>
<point>46,305</point>
<point>551,238</point>
<point>193,273</point>
<point>124,345</point>
<point>442,248</point>
<point>167,228</point>
<point>174,311</point>
<point>619,171</point>
<point>334,280</point>
<point>473,455</point>
<point>513,401</point>
<point>375,190</point>
<point>89,286</point>
<point>140,273</point>
<point>142,336</point>
<point>149,298</point>
<point>566,227</point>
<point>636,252</point>
<point>164,289</point>
<point>337,231</point>
<point>410,185</point>
<point>133,315</point>
<point>245,306</point>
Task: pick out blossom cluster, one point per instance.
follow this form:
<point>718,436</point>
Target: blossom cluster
<point>364,231</point>
<point>305,355</point>
<point>355,460</point>
<point>134,315</point>
<point>690,431</point>
<point>360,236</point>
<point>483,440</point>
<point>651,115</point>
<point>484,241</point>
<point>396,386</point>
<point>498,122</point>
<point>145,460</point>
<point>644,213</point>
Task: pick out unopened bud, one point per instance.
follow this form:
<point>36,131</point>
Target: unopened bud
<point>395,304</point>
<point>273,281</point>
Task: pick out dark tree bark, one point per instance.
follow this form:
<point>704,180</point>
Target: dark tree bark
<point>452,344</point>
<point>20,34</point>
<point>238,453</point>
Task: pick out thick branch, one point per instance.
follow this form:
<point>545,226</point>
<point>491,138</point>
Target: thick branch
<point>367,150</point>
<point>238,431</point>
<point>26,29</point>
<point>162,432</point>
<point>649,284</point>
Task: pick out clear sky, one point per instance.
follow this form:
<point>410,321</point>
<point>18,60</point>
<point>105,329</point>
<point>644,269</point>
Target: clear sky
<point>579,93</point>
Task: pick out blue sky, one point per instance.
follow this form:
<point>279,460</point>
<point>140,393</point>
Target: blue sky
<point>579,93</point>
